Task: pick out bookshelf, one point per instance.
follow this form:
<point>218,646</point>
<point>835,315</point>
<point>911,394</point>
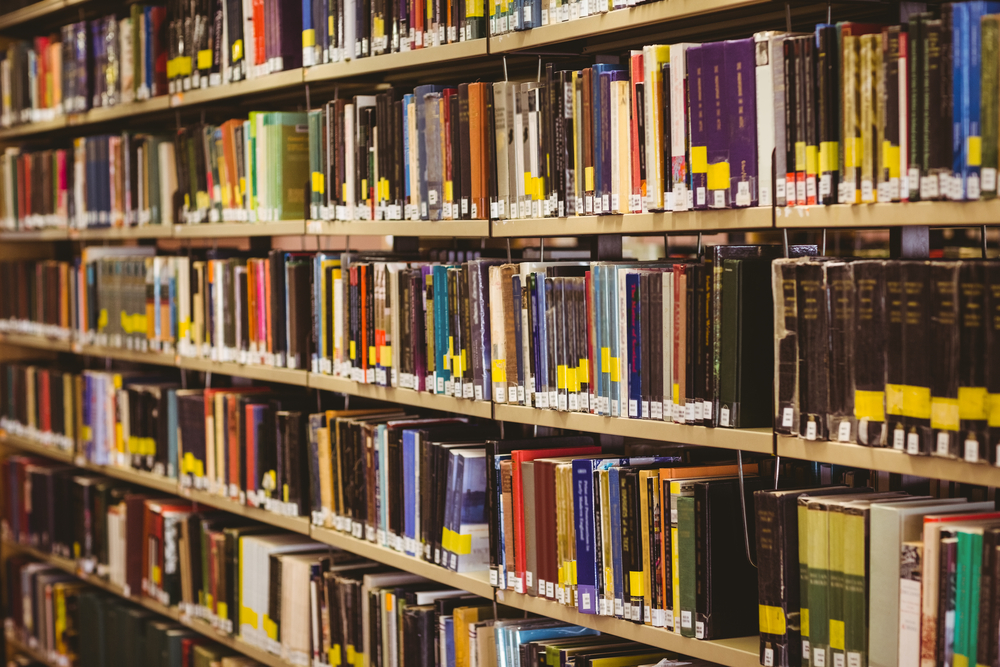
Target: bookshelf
<point>737,652</point>
<point>171,613</point>
<point>408,397</point>
<point>691,222</point>
<point>35,11</point>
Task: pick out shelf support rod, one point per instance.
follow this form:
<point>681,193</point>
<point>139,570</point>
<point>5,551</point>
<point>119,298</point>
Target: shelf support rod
<point>743,507</point>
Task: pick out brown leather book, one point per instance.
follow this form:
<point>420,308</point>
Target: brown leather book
<point>476,134</point>
<point>510,311</point>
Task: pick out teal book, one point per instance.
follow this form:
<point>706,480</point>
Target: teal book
<point>970,550</point>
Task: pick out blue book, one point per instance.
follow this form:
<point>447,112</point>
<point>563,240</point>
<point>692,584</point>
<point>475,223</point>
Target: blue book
<point>598,142</point>
<point>634,315</point>
<point>446,626</point>
<point>150,58</point>
<point>614,344</point>
<point>471,525</point>
<point>172,433</point>
<point>308,35</point>
<point>509,635</point>
<point>586,541</point>
<point>442,333</point>
<point>411,491</point>
<point>536,340</point>
<point>544,289</point>
<point>967,72</point>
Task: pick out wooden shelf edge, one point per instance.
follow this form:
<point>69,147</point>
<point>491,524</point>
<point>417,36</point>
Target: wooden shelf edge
<point>33,11</point>
<point>890,460</point>
<point>421,228</point>
<point>736,652</point>
<point>36,342</point>
<point>476,583</point>
<point>878,216</point>
<point>294,524</point>
<point>201,627</point>
<point>611,22</point>
<point>240,229</point>
<point>392,62</point>
<point>122,354</point>
<point>636,223</point>
<point>252,371</point>
<point>759,440</point>
<point>419,399</point>
<point>32,447</point>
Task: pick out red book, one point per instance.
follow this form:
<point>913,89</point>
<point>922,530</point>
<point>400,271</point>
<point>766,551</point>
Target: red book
<point>42,392</point>
<point>517,458</point>
<point>363,328</point>
<point>590,374</point>
<point>638,183</point>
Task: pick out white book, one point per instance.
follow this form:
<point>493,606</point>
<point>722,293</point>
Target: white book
<point>125,37</point>
<point>653,59</point>
<point>500,136</point>
<point>679,128</point>
<point>168,181</point>
<point>765,115</point>
<point>248,70</point>
<point>520,102</point>
<point>891,524</point>
<point>350,29</point>
<point>624,151</point>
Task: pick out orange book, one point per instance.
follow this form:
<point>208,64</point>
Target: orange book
<point>267,306</point>
<point>476,121</point>
<point>638,183</point>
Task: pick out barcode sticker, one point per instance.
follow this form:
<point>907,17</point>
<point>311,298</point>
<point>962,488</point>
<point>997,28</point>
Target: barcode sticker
<point>943,444</point>
<point>819,657</point>
<point>685,619</point>
<point>898,439</point>
<point>699,630</point>
<point>811,430</point>
<point>972,451</point>
<point>844,432</point>
<point>989,179</point>
<point>786,417</point>
<point>743,193</point>
<point>724,416</point>
<point>912,443</point>
<point>769,657</point>
<point>700,196</point>
<point>719,198</point>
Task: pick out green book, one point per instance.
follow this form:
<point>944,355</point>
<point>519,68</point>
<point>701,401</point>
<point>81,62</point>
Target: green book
<point>989,124</point>
<point>685,545</point>
<point>803,514</point>
<point>835,611</point>
<point>292,160</point>
<point>818,548</point>
<point>854,564</point>
<point>970,551</point>
<point>317,186</point>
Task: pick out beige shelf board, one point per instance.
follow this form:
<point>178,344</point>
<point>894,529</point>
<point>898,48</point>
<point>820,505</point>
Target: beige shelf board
<point>295,524</point>
<point>115,233</point>
<point>261,84</point>
<point>28,129</point>
<point>33,11</point>
<point>760,440</point>
<point>637,223</point>
<point>890,460</point>
<point>199,626</point>
<point>30,446</point>
<point>870,216</point>
<point>239,229</point>
<point>393,62</point>
<point>423,228</point>
<point>36,342</point>
<point>122,354</point>
<point>419,399</point>
<point>736,652</point>
<point>476,583</point>
<point>47,234</point>
<point>611,22</point>
<point>269,373</point>
<point>140,477</point>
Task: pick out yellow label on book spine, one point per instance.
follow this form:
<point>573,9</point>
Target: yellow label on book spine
<point>584,370</point>
<point>869,405</point>
<point>319,182</point>
<point>499,370</point>
<point>804,622</point>
<point>237,50</point>
<point>836,634</point>
<point>974,150</point>
<point>812,160</point>
<point>614,369</point>
<point>308,38</point>
<point>828,156</point>
<point>718,176</point>
<point>699,159</point>
<point>372,356</point>
<point>771,619</point>
<point>972,402</point>
<point>588,178</point>
<point>353,350</point>
<point>992,410</point>
<point>205,59</point>
<point>560,377</point>
<point>916,402</point>
<point>944,413</point>
<point>894,399</point>
<point>636,583</point>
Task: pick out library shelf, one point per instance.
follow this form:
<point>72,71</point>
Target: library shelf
<point>759,440</point>
<point>611,22</point>
<point>889,460</point>
<point>173,613</point>
<point>393,62</point>
<point>35,11</point>
<point>124,354</point>
<point>238,229</point>
<point>138,477</point>
<point>96,115</point>
<point>226,91</point>
<point>36,342</point>
<point>690,222</point>
<point>409,397</point>
<point>27,129</point>
<point>295,524</point>
<point>33,653</point>
<point>476,583</point>
<point>736,652</point>
<point>876,216</point>
<point>116,233</point>
<point>422,228</point>
<point>252,371</point>
<point>45,234</point>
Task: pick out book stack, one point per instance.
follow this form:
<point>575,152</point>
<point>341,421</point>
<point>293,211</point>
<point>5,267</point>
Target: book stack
<point>42,304</point>
<point>888,353</point>
<point>62,618</point>
<point>875,578</point>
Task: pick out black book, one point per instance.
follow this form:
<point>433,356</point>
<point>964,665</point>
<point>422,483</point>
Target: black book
<point>279,332</point>
<point>972,323</point>
<point>894,357</point>
<point>827,107</point>
<point>840,421</point>
<point>813,354</point>
<point>917,355</point>
<point>944,339</point>
<point>791,117</point>
<point>726,589</point>
<point>915,92</point>
<point>870,351</point>
<point>937,117</point>
<point>646,320</point>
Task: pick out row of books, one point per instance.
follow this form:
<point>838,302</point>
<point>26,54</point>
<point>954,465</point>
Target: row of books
<point>70,623</point>
<point>889,353</point>
<point>147,50</point>
<point>675,340</point>
<point>880,579</point>
<point>297,598</point>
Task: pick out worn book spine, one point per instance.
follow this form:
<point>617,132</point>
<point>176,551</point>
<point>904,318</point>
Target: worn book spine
<point>869,354</point>
<point>989,105</point>
<point>944,339</point>
<point>786,395</point>
<point>917,355</point>
<point>840,422</point>
<point>813,330</point>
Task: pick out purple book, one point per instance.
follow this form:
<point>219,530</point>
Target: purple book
<point>698,106</point>
<point>740,92</point>
<point>716,111</point>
